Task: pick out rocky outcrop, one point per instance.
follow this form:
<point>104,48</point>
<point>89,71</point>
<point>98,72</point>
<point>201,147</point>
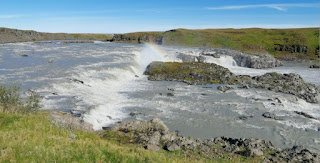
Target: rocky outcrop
<point>191,58</point>
<point>291,48</point>
<point>138,38</point>
<point>204,73</point>
<point>155,135</point>
<point>191,73</point>
<point>246,60</point>
<point>295,154</point>
<point>286,83</point>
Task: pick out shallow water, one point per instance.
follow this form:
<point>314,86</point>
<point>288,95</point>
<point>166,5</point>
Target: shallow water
<point>105,80</point>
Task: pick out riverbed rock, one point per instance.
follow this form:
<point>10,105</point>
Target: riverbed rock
<point>271,116</point>
<point>210,53</point>
<point>305,114</point>
<point>315,66</point>
<point>224,88</point>
<point>132,114</point>
<point>170,94</point>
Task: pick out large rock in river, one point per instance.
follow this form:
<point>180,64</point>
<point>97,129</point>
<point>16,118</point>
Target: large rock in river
<point>287,83</point>
<point>191,73</point>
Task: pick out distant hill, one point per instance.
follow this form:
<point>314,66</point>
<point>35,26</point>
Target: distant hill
<point>8,35</point>
<point>282,43</point>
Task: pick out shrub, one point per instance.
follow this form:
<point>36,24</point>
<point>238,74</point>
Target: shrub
<point>12,102</point>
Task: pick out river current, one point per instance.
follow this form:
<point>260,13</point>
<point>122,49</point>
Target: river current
<point>105,81</point>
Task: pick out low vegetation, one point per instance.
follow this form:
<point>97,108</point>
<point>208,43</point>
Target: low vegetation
<point>282,43</point>
<point>12,102</point>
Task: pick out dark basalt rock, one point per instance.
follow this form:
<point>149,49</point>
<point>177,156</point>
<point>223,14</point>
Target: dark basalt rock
<point>170,94</point>
<point>287,83</point>
<point>76,81</point>
<point>154,135</point>
<point>294,154</point>
<point>315,66</point>
<point>305,114</point>
<point>224,88</point>
<point>190,73</point>
<point>132,114</point>
<point>271,116</point>
<point>204,73</point>
<point>243,117</point>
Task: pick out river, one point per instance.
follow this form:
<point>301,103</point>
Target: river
<point>105,81</point>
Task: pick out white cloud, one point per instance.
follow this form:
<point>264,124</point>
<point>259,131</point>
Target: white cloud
<point>9,16</point>
<point>280,7</point>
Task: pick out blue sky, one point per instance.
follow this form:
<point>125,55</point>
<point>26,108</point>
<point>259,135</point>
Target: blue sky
<point>120,16</point>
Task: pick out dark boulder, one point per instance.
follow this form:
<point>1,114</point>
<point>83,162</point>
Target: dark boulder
<point>305,114</point>
<point>315,66</point>
<point>271,116</point>
<point>224,88</point>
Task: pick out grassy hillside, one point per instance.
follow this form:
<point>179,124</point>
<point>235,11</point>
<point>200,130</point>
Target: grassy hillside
<point>8,35</point>
<point>282,43</point>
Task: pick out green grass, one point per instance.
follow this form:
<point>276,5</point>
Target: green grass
<point>33,138</point>
<point>252,40</point>
<point>100,37</point>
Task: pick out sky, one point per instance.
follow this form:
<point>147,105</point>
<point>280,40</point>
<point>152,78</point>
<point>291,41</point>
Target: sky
<point>123,16</point>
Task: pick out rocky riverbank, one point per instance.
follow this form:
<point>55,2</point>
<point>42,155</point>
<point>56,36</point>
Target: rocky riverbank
<point>155,135</point>
<point>203,73</point>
